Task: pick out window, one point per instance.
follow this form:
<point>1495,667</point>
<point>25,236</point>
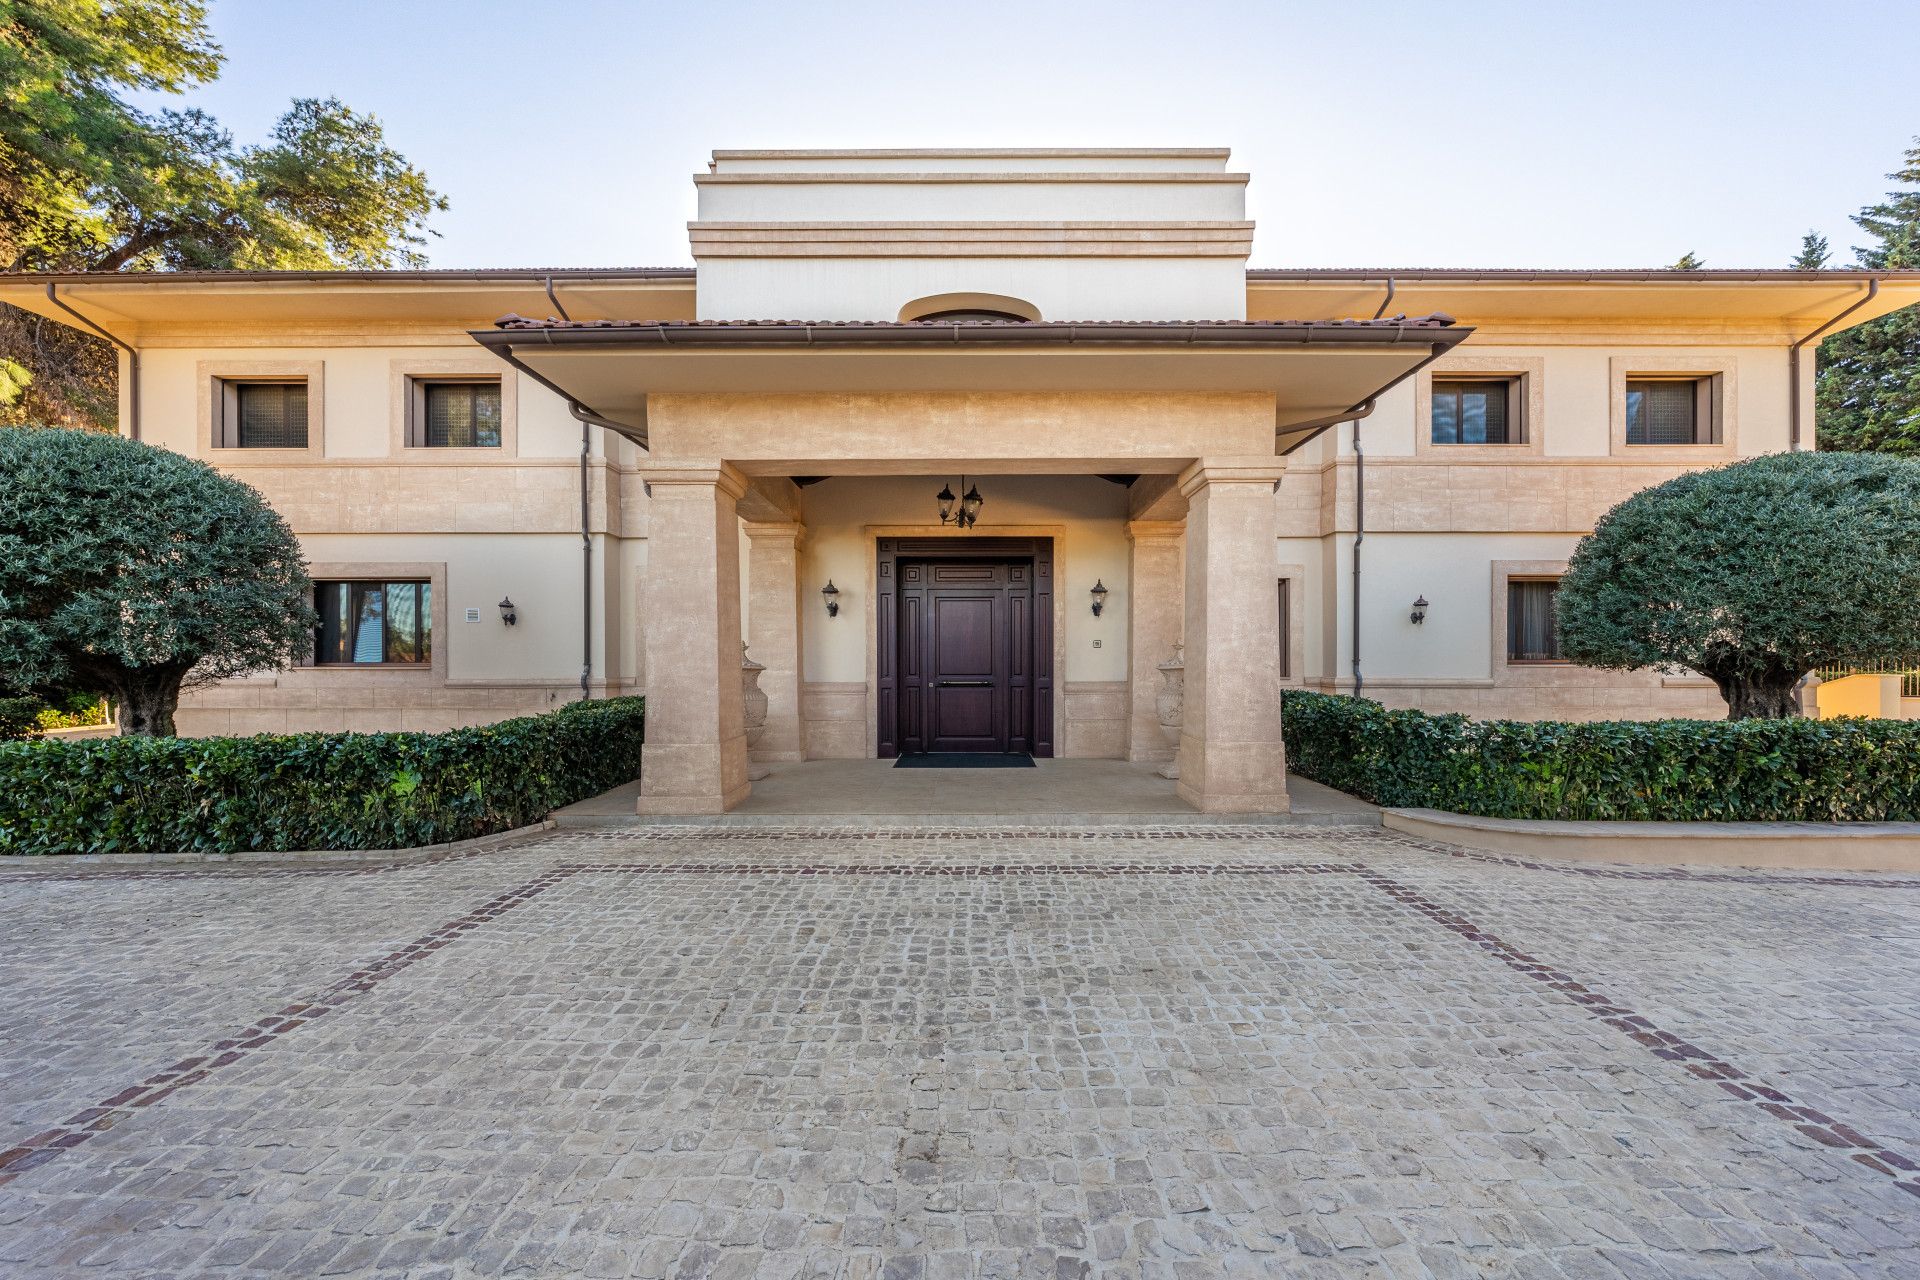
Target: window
<point>374,622</point>
<point>1531,633</point>
<point>970,313</point>
<point>1286,632</point>
<point>1482,411</point>
<point>449,413</point>
<point>262,414</point>
<point>1670,411</point>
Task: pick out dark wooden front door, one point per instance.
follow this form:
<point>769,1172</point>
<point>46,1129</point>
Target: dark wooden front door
<point>964,645</point>
<point>966,640</point>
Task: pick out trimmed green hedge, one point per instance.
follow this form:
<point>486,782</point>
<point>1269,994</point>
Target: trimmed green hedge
<point>312,790</point>
<point>1656,770</point>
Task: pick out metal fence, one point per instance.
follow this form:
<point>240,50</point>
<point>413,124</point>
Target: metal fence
<point>1909,676</point>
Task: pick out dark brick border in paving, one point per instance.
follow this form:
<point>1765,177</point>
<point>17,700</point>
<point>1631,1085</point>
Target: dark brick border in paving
<point>1815,1124</point>
<point>1767,1099</point>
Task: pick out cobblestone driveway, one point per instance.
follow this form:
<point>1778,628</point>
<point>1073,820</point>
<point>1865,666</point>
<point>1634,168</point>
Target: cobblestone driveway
<point>1213,1052</point>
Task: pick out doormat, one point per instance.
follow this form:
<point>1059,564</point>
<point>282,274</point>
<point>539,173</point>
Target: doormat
<point>966,760</point>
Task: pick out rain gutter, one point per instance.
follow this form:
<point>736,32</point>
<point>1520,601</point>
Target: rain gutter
<point>133,359</point>
<point>920,333</point>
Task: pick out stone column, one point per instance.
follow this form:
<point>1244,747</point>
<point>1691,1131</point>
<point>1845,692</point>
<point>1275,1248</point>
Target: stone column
<point>695,758</point>
<point>1231,757</point>
<point>1154,619</point>
<point>773,631</point>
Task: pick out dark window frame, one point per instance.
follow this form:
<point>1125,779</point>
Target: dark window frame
<point>962,315</point>
<point>1706,417</point>
<point>1286,628</point>
<point>326,592</point>
<point>419,390</point>
<point>228,410</point>
<point>1516,655</point>
<point>1514,425</point>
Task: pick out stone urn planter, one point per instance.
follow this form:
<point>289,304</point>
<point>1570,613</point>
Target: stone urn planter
<point>1170,703</point>
<point>753,711</point>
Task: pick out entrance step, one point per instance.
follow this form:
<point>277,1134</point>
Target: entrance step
<point>1106,822</point>
<point>866,795</point>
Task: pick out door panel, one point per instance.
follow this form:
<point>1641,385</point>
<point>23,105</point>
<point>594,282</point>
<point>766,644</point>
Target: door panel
<point>967,707</point>
<point>965,642</point>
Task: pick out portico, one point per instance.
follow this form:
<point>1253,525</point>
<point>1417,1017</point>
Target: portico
<point>1022,320</point>
<point>741,544</point>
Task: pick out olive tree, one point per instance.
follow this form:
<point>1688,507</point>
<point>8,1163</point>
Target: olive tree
<point>1753,575</point>
<point>132,571</point>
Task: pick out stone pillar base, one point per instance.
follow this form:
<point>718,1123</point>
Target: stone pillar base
<point>1254,780</point>
<point>680,778</point>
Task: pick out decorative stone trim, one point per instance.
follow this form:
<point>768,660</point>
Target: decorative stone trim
<point>1725,394</point>
<point>207,376</point>
<point>1530,371</point>
<point>400,375</point>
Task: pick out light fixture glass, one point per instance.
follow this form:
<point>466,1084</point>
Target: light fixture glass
<point>831,594</point>
<point>1099,594</point>
<point>969,509</point>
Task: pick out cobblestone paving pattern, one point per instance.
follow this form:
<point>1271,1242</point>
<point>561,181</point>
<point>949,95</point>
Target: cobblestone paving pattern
<point>1212,1052</point>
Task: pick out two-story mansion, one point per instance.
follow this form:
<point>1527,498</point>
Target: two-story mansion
<point>963,445</point>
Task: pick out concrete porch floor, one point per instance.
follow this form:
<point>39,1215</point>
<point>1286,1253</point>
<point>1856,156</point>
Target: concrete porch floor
<point>1092,792</point>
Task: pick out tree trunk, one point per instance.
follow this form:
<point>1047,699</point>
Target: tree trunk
<point>147,704</point>
<point>1750,699</point>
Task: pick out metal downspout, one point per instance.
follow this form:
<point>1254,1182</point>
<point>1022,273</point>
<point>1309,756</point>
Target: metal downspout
<point>587,419</point>
<point>1386,301</point>
<point>1793,366</point>
<point>555,300</point>
<point>586,527</point>
<point>1360,513</point>
<point>1359,536</point>
<point>133,361</point>
<point>586,567</point>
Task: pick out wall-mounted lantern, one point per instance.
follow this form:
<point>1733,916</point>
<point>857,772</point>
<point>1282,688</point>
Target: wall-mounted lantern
<point>831,594</point>
<point>1419,614</point>
<point>1099,594</point>
<point>508,613</point>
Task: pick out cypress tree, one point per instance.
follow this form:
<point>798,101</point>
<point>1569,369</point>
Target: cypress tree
<point>1868,386</point>
<point>1813,253</point>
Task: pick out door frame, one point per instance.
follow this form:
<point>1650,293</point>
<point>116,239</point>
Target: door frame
<point>888,553</point>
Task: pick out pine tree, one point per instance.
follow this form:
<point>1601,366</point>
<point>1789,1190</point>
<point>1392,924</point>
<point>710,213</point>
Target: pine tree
<point>1813,253</point>
<point>1868,386</point>
<point>1689,261</point>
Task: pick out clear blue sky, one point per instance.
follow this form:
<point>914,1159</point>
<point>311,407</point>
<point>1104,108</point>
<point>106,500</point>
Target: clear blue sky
<point>1541,134</point>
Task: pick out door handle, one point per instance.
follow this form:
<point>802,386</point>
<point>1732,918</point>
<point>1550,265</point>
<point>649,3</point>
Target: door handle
<point>964,684</point>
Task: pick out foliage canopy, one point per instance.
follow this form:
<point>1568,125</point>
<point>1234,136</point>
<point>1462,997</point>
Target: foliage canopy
<point>1868,385</point>
<point>1753,575</point>
<point>89,182</point>
<point>128,570</point>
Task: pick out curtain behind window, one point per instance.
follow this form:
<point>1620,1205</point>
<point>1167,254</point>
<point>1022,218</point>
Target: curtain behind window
<point>271,415</point>
<point>1471,413</point>
<point>373,622</point>
<point>463,415</point>
<point>1531,636</point>
<point>1663,412</point>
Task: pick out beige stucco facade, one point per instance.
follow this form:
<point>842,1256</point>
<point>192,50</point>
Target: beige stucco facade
<point>1190,463</point>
